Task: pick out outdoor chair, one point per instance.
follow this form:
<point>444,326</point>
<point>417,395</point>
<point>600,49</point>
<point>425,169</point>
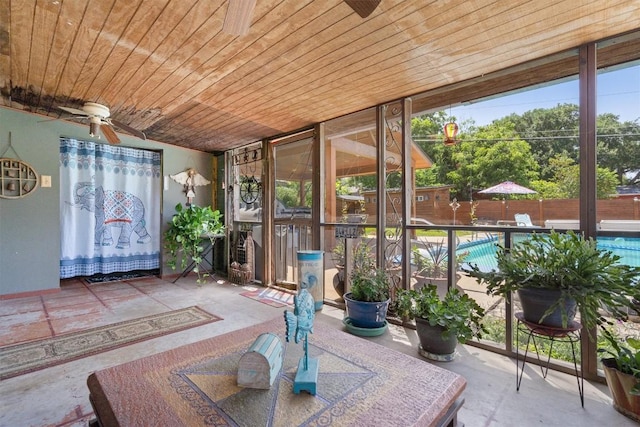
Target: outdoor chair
<point>523,220</point>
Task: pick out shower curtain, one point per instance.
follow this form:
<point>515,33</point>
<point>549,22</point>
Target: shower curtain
<point>109,208</point>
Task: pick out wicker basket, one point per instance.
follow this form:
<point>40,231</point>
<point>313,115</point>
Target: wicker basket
<point>241,277</point>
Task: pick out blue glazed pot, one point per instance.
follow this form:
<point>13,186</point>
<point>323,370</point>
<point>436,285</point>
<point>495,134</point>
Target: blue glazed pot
<point>366,314</point>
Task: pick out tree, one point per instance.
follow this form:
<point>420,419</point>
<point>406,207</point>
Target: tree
<point>549,131</point>
<point>567,176</point>
<point>547,189</point>
<point>492,156</point>
<point>619,146</point>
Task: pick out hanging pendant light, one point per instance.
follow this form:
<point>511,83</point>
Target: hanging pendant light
<point>450,132</point>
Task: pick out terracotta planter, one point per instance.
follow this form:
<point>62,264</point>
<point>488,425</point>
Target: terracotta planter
<point>619,386</point>
<point>432,346</point>
<point>535,302</point>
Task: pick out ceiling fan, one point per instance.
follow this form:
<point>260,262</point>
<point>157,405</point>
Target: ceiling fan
<point>99,119</point>
<point>239,13</point>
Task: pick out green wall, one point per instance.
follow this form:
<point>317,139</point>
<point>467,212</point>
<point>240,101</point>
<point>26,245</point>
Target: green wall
<point>30,226</point>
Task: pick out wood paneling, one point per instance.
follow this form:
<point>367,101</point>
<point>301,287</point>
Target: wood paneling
<point>166,67</point>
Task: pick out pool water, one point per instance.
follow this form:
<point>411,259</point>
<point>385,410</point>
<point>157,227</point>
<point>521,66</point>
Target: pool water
<point>483,252</point>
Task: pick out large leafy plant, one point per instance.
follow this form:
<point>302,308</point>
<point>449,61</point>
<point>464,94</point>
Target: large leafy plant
<point>184,237</point>
<point>567,262</point>
<point>458,313</point>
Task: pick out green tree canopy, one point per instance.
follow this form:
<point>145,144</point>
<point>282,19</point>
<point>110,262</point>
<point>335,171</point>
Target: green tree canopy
<point>492,156</point>
<point>549,131</point>
<point>567,177</point>
<point>619,147</point>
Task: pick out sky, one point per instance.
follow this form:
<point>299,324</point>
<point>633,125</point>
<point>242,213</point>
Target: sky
<point>618,93</point>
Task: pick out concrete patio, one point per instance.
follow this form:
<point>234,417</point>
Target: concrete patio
<point>58,396</point>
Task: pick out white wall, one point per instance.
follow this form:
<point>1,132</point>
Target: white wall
<point>30,226</point>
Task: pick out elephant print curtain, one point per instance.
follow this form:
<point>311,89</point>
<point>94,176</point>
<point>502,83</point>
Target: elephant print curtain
<point>109,208</point>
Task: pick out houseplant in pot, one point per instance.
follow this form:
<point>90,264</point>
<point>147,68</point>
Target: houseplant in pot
<point>187,230</point>
<point>368,300</point>
<point>440,323</point>
<point>621,364</point>
<point>565,273</point>
<point>430,264</point>
<point>339,259</point>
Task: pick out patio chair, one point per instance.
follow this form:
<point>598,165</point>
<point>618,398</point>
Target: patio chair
<point>523,220</point>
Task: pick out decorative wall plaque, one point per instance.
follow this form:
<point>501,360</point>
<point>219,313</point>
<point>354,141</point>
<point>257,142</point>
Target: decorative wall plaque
<point>17,178</point>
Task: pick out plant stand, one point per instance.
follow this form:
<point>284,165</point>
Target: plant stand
<point>209,243</point>
<point>569,334</point>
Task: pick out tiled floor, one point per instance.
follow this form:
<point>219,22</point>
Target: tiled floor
<point>58,396</point>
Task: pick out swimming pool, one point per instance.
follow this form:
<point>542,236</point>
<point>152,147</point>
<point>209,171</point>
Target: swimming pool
<point>483,252</point>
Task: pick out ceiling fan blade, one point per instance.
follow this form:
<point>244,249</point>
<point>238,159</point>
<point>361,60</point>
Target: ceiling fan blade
<point>238,18</point>
<point>74,111</point>
<point>363,8</point>
<point>109,133</point>
<point>128,129</point>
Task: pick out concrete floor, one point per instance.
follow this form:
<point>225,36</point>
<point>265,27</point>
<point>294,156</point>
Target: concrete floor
<point>58,396</point>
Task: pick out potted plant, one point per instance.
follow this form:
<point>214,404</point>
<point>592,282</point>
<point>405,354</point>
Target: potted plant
<point>557,274</point>
<point>440,323</point>
<point>431,265</point>
<point>339,260</point>
<point>622,371</point>
<point>187,229</point>
<point>368,300</point>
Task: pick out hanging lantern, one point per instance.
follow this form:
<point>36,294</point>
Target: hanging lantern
<point>450,132</point>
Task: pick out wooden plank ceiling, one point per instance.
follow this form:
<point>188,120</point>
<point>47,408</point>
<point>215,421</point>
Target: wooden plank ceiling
<point>166,67</point>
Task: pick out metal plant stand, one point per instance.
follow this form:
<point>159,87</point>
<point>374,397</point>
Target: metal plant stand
<point>570,334</point>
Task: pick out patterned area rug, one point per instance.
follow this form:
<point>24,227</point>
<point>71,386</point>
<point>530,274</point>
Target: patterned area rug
<point>27,357</point>
<point>272,297</point>
<point>360,383</point>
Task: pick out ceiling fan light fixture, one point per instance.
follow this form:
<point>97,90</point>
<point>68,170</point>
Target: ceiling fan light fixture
<point>94,129</point>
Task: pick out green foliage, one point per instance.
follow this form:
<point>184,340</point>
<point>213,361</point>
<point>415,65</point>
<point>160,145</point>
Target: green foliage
<point>626,356</point>
<point>368,283</point>
<point>370,286</point>
<point>618,147</point>
<point>567,177</point>
<point>521,148</point>
<point>494,155</point>
<point>288,193</point>
<point>427,131</point>
<point>432,260</point>
<point>567,262</point>
<point>457,313</point>
<point>547,189</point>
<point>186,230</point>
<point>559,124</point>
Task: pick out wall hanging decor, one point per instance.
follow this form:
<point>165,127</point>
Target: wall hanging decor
<point>190,179</point>
<point>17,178</point>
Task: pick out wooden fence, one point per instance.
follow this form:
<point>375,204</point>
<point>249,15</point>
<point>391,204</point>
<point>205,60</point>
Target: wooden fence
<point>540,210</point>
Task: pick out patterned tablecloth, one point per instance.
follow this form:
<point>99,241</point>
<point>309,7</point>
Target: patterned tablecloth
<point>360,383</point>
